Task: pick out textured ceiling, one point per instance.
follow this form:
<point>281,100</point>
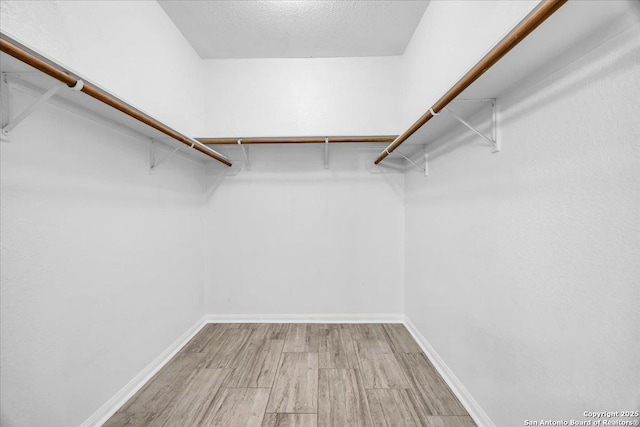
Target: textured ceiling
<point>295,29</point>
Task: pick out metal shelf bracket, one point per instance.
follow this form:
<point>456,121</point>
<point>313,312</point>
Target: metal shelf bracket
<point>13,123</point>
<point>425,169</point>
<point>426,164</point>
<point>153,163</point>
<point>245,155</point>
<point>493,141</point>
<point>326,153</point>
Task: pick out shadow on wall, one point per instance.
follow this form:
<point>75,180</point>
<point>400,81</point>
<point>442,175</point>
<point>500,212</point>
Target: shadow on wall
<point>83,161</point>
<point>605,60</point>
<point>213,178</point>
<point>290,165</point>
<point>597,36</point>
<point>600,61</point>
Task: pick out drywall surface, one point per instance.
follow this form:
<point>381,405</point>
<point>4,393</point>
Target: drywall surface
<point>101,264</point>
<point>522,267</point>
<point>131,48</point>
<point>305,96</point>
<point>289,237</point>
<point>451,37</point>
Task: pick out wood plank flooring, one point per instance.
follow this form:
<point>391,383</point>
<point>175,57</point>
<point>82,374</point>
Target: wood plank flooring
<point>296,375</point>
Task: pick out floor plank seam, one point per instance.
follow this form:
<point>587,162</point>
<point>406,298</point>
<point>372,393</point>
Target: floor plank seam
<point>257,383</point>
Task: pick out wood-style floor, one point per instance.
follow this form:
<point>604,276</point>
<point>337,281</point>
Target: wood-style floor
<point>292,375</point>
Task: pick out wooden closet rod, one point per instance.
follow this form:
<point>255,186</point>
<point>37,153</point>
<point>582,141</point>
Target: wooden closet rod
<point>522,30</point>
<point>300,140</point>
<point>11,48</point>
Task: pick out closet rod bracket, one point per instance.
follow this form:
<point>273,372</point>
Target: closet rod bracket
<point>326,153</point>
<point>13,123</point>
<point>493,141</point>
<point>153,163</point>
<point>426,163</point>
<point>425,169</point>
<point>245,155</point>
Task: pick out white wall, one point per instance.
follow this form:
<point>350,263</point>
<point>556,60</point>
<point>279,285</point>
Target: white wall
<point>131,48</point>
<point>451,37</point>
<point>289,237</point>
<point>100,268</point>
<point>101,264</point>
<point>306,96</point>
<point>522,267</point>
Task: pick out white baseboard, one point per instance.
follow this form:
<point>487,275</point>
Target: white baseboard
<point>305,318</point>
<point>469,403</point>
<point>121,397</point>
